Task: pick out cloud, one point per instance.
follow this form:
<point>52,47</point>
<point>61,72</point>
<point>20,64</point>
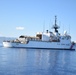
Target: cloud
<point>19,28</point>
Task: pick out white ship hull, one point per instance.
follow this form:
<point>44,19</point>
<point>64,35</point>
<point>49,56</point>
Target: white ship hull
<point>40,45</point>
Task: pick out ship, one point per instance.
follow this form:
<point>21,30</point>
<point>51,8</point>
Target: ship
<point>44,40</point>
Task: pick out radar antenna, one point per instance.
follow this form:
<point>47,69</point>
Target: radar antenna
<point>55,26</point>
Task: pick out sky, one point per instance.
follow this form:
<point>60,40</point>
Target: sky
<point>26,17</point>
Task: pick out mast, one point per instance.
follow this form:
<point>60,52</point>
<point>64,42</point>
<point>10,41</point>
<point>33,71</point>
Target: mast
<point>55,26</point>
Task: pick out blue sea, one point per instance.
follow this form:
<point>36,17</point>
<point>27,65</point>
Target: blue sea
<point>21,61</point>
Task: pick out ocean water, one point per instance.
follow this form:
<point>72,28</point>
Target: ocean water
<point>21,61</point>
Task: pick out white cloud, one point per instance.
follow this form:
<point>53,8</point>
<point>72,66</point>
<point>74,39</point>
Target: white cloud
<point>20,28</point>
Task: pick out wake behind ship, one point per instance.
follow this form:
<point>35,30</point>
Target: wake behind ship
<point>44,40</point>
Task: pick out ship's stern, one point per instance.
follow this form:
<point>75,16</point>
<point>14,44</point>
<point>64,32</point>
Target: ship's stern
<point>7,44</point>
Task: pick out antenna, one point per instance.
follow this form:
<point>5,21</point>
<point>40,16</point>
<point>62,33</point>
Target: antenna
<point>63,29</point>
<point>55,20</point>
<point>44,26</point>
<point>49,26</point>
<point>59,23</point>
<point>69,29</point>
